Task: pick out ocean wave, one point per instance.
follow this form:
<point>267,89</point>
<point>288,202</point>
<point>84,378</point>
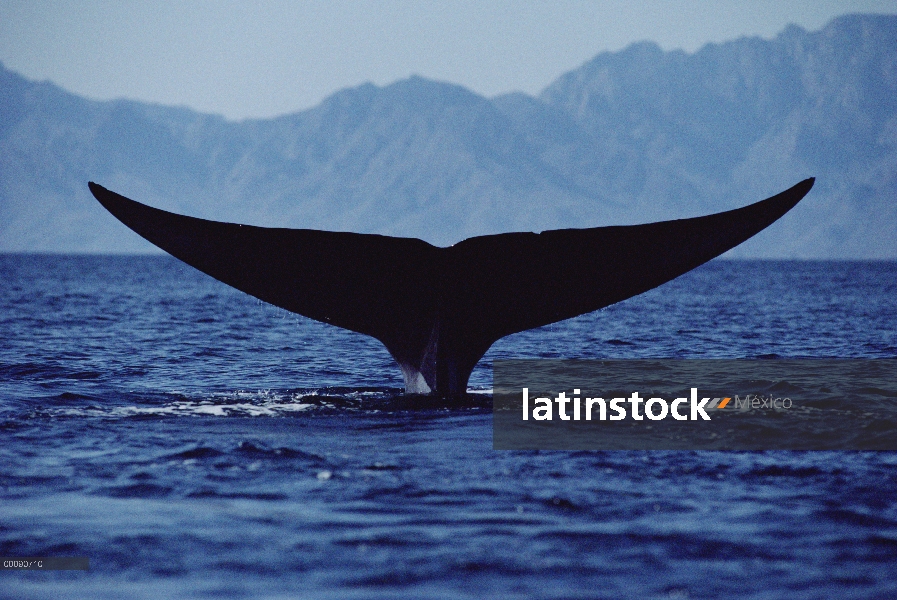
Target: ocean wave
<point>262,403</point>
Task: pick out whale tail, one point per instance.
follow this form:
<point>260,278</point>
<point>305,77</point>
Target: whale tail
<point>438,310</point>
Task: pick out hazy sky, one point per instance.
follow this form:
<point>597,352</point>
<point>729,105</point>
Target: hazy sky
<point>259,59</point>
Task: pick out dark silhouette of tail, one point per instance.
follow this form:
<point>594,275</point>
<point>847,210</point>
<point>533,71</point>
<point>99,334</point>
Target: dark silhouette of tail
<point>438,310</point>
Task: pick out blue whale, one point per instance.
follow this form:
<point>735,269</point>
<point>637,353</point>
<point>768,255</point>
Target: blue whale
<point>438,310</point>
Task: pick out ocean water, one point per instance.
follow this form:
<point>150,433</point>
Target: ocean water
<point>194,442</point>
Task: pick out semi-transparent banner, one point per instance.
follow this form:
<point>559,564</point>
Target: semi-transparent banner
<point>695,404</point>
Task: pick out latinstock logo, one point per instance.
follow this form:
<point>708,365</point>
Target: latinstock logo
<point>694,404</point>
<point>578,408</point>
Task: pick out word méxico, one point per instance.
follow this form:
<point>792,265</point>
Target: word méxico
<point>655,409</point>
<point>761,402</point>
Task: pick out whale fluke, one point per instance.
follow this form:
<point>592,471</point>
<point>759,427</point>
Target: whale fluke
<point>438,310</point>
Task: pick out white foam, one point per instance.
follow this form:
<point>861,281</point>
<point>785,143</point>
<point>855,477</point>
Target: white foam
<point>240,403</point>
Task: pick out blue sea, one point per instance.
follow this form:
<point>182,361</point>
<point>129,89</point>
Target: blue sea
<point>194,442</point>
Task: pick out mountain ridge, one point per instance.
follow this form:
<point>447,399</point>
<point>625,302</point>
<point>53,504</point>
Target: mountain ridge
<point>629,137</point>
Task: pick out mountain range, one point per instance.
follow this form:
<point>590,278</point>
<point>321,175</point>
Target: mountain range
<point>629,137</point>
